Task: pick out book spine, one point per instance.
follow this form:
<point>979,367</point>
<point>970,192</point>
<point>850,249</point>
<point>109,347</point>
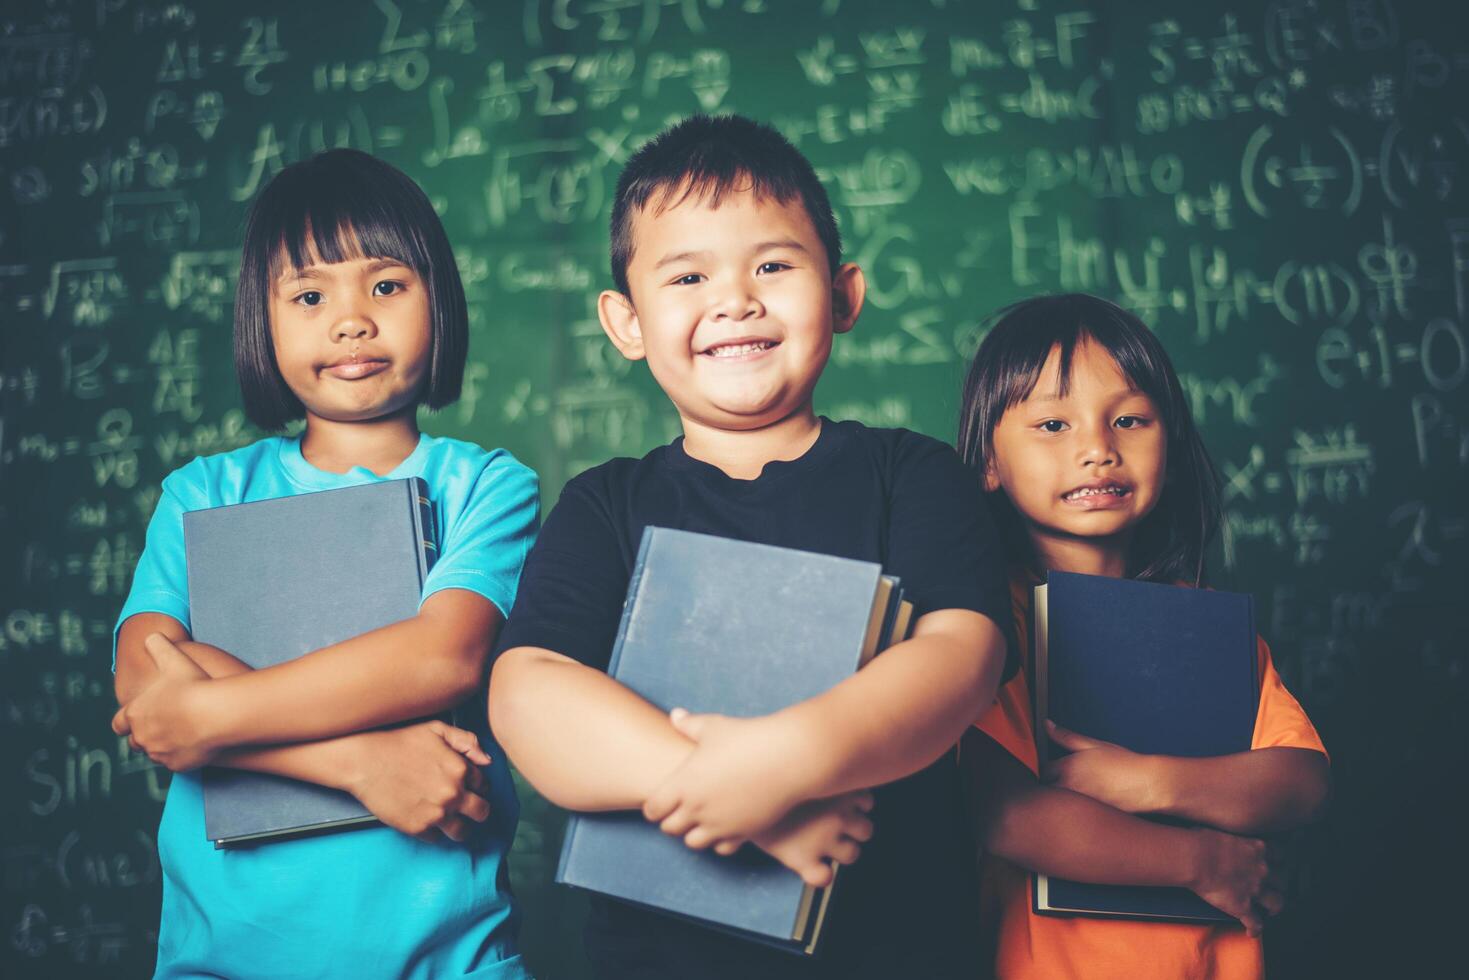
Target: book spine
<point>573,821</point>
<point>424,526</point>
<point>629,605</point>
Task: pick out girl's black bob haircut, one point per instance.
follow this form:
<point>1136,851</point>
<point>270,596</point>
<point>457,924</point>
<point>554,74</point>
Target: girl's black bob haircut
<point>340,205</point>
<point>1169,546</point>
<point>712,157</point>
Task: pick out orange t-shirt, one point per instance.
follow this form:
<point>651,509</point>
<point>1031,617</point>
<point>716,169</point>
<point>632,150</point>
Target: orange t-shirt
<point>1049,947</point>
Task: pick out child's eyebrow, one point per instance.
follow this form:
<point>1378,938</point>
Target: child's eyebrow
<point>677,257</point>
<point>790,243</point>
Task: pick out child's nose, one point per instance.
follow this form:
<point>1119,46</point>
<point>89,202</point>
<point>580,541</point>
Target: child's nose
<point>736,302</point>
<point>353,326</point>
<point>1099,447</point>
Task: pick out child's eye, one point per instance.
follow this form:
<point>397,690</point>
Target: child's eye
<point>1053,425</point>
<point>387,288</point>
<point>309,298</point>
<point>689,279</point>
<point>766,268</point>
<point>1130,422</point>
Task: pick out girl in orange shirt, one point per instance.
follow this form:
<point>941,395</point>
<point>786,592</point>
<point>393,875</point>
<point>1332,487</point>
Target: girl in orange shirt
<point>1075,417</point>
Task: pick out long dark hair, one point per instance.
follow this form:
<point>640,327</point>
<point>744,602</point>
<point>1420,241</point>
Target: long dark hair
<point>1169,545</point>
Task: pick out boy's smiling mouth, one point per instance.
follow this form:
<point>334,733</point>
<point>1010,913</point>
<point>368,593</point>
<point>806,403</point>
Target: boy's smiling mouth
<point>739,348</point>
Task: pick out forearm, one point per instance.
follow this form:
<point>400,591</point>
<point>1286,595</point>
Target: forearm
<point>899,713</point>
<point>582,739</point>
<point>331,762</point>
<point>1258,792</point>
<point>407,670</point>
<point>1059,832</point>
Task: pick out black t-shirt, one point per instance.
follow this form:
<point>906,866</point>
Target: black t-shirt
<point>908,907</point>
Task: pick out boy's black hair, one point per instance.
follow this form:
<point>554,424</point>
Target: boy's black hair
<point>339,205</point>
<point>712,156</point>
<point>1169,545</point>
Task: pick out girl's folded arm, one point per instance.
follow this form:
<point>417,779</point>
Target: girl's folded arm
<point>332,762</point>
<point>1060,832</point>
<point>1258,792</point>
<point>406,670</point>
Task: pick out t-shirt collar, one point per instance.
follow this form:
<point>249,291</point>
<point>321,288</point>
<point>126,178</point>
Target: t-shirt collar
<point>309,477</point>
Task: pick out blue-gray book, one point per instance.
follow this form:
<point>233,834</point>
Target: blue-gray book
<point>272,580</point>
<point>716,625</point>
<point>1159,669</point>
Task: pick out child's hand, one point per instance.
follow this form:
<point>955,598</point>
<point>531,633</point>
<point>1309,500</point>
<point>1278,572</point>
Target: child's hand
<point>738,781</point>
<point>1120,778</point>
<point>421,779</point>
<point>162,720</point>
<point>1234,875</point>
<point>815,834</point>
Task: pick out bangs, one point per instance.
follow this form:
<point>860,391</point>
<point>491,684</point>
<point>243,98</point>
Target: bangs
<point>336,222</point>
<point>1033,333</point>
<point>338,206</point>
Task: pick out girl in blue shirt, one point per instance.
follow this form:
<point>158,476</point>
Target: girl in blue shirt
<point>349,314</point>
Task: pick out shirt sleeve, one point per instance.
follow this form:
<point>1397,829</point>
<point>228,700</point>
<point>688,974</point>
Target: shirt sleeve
<point>161,578</point>
<point>942,542</point>
<point>485,544</point>
<point>574,584</point>
<point>1281,721</point>
<point>1010,724</point>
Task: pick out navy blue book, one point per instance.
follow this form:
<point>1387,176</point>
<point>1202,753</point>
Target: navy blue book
<point>272,580</point>
<point>1158,669</point>
<point>795,624</point>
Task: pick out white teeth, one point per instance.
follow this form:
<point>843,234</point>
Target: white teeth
<point>1095,491</point>
<point>736,350</point>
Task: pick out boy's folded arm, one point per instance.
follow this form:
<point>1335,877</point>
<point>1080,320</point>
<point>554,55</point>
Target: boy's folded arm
<point>895,716</point>
<point>906,708</point>
<point>583,740</point>
<point>1261,791</point>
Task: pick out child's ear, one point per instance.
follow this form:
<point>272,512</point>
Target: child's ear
<point>991,478</point>
<point>848,290</point>
<point>620,323</point>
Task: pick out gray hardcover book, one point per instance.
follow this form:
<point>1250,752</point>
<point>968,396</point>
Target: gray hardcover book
<point>717,625</point>
<point>272,580</point>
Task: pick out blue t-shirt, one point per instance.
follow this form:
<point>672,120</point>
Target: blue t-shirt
<point>369,902</point>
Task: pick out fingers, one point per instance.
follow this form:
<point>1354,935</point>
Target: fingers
<point>658,806</point>
<point>464,743</point>
<point>698,838</point>
<point>1253,924</point>
<point>474,780</point>
<point>858,828</point>
<point>727,848</point>
<point>1271,901</point>
<point>846,851</point>
<point>677,824</point>
<point>687,724</point>
<point>475,807</point>
<point>1066,738</point>
<point>453,828</point>
<point>120,723</point>
<point>818,874</point>
<point>162,650</point>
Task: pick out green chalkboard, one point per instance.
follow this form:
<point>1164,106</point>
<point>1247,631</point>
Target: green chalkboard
<point>1279,188</point>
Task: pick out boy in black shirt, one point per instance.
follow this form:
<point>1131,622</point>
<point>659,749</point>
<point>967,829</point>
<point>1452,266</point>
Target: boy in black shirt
<point>729,283</point>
